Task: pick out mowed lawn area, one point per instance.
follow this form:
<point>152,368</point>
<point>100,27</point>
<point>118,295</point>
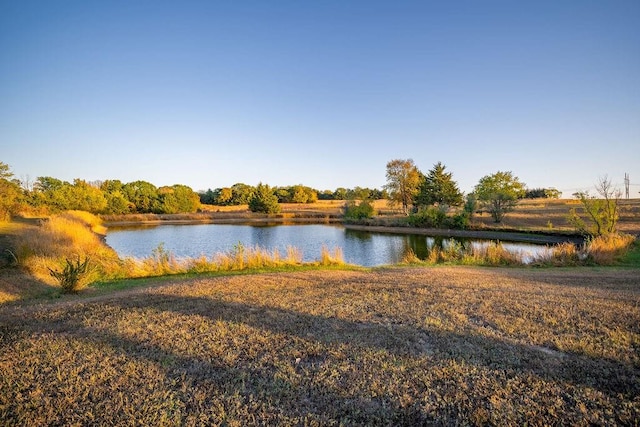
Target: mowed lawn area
<point>389,346</point>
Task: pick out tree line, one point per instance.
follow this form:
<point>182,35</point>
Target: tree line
<point>48,194</point>
<point>241,194</point>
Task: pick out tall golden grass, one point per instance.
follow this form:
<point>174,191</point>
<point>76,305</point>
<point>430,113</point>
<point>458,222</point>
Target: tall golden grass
<point>608,248</point>
<point>69,235</point>
<point>163,262</point>
<point>493,254</point>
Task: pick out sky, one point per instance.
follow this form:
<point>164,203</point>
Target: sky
<point>320,93</point>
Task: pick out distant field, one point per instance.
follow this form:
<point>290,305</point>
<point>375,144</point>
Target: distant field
<point>530,214</point>
<point>401,346</point>
<point>552,214</point>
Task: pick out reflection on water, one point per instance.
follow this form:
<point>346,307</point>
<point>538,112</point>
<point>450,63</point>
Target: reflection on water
<point>359,247</point>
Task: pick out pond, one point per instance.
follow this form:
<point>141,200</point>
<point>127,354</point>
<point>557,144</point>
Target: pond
<point>358,247</point>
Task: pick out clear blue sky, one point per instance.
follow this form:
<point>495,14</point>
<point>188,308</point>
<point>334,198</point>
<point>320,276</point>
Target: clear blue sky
<point>322,93</point>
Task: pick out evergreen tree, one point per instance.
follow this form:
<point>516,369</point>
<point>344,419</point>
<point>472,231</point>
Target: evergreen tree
<point>263,200</point>
<point>438,188</point>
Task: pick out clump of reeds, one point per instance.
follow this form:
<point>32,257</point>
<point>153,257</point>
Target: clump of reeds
<point>160,262</point>
<point>410,257</point>
<point>454,252</point>
<point>163,262</point>
<point>256,257</point>
<point>493,254</point>
<point>562,254</point>
<point>334,257</point>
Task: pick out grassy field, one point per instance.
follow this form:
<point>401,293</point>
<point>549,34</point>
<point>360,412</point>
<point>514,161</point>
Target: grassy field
<point>551,215</point>
<point>397,346</point>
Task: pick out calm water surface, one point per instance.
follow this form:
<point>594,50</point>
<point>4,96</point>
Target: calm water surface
<point>359,247</point>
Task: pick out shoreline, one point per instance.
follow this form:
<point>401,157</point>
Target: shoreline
<point>510,236</point>
<point>237,221</point>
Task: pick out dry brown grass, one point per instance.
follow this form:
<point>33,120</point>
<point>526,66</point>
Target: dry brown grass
<point>401,346</point>
<point>551,215</point>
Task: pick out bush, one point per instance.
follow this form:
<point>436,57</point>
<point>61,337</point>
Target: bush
<point>459,221</point>
<point>436,217</point>
<point>470,205</point>
<point>355,211</point>
<point>71,275</point>
<point>429,217</point>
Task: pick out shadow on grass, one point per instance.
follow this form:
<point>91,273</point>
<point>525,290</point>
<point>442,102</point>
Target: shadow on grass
<point>406,340</point>
<point>15,285</point>
<point>328,405</point>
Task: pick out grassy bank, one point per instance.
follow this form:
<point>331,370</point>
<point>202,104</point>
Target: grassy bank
<point>46,248</point>
<point>402,346</point>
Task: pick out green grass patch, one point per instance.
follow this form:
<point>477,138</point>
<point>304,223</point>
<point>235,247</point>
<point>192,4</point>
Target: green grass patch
<point>632,257</point>
<point>106,286</point>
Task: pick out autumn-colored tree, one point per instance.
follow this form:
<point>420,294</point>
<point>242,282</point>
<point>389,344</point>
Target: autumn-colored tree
<point>403,179</point>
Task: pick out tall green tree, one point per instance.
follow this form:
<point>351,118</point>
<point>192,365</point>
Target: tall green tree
<point>403,179</point>
<point>264,200</point>
<point>51,192</point>
<point>303,194</point>
<point>499,193</point>
<point>187,199</point>
<point>168,203</point>
<point>143,195</point>
<point>340,193</point>
<point>111,186</point>
<point>241,194</point>
<point>223,196</point>
<point>207,197</point>
<point>83,196</point>
<point>10,192</point>
<point>118,204</point>
<point>438,188</point>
